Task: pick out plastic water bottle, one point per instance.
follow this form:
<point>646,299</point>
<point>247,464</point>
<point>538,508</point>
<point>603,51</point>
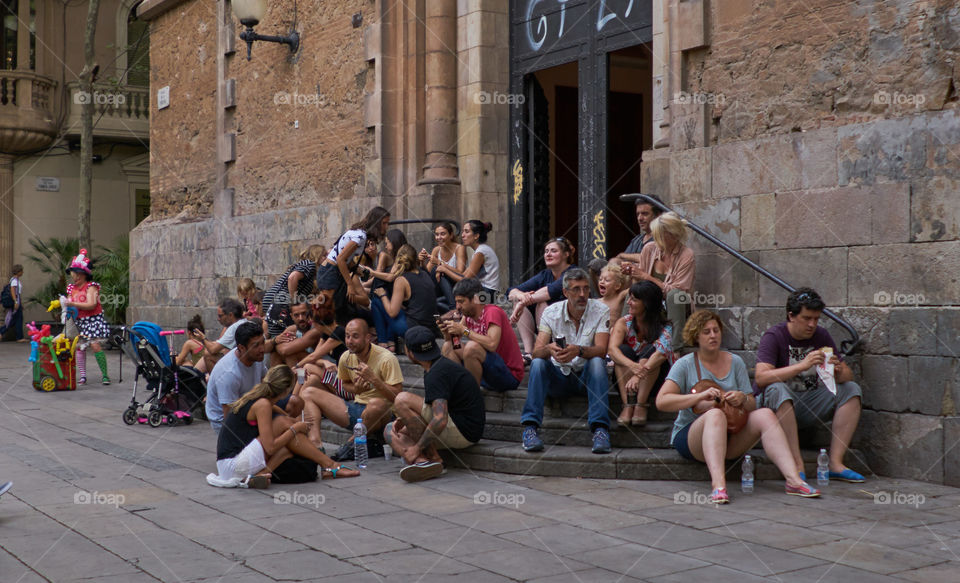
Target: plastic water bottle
<point>823,468</point>
<point>360,444</point>
<point>746,475</point>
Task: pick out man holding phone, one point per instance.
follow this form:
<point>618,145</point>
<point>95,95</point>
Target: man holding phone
<point>569,360</point>
<point>492,353</point>
<point>372,373</point>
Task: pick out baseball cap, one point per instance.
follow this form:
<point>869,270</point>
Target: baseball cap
<point>422,343</point>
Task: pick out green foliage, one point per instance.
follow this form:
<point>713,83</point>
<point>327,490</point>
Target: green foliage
<point>110,267</point>
<point>52,257</point>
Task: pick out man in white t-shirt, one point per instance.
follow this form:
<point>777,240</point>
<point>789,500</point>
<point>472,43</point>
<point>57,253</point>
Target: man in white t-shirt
<point>569,359</point>
<point>230,316</point>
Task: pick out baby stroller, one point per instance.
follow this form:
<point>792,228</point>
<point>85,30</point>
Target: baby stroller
<point>176,392</point>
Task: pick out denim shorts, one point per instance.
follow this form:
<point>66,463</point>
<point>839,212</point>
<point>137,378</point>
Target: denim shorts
<point>354,412</point>
<point>680,443</point>
<point>496,375</point>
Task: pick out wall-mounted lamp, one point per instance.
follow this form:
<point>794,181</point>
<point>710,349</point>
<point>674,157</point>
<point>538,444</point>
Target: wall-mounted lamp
<point>249,13</point>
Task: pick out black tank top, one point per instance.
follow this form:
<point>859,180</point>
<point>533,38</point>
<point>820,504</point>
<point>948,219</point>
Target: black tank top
<point>422,304</point>
<point>236,433</point>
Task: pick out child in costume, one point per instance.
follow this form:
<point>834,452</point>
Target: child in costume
<point>84,294</point>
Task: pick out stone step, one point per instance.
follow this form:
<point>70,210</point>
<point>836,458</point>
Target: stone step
<point>576,431</point>
<point>622,463</point>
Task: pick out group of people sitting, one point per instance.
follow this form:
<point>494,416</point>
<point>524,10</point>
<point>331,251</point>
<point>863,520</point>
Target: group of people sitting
<point>342,316</point>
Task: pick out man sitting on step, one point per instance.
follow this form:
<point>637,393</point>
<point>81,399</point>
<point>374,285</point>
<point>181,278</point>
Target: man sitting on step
<point>372,373</point>
<point>569,360</point>
<point>789,382</point>
<point>491,352</point>
<point>450,415</point>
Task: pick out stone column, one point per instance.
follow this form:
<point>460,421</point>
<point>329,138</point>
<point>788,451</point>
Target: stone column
<point>440,163</point>
<point>6,214</point>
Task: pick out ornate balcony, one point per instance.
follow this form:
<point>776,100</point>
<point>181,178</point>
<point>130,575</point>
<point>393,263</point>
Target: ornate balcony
<point>26,111</point>
<point>119,111</point>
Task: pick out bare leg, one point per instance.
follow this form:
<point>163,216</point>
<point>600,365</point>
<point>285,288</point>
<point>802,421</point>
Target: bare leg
<point>527,329</point>
<point>317,404</point>
<point>623,375</point>
<point>707,440</point>
<point>844,424</point>
<point>788,421</point>
<point>407,407</point>
<point>762,425</point>
<point>473,357</point>
<point>448,351</point>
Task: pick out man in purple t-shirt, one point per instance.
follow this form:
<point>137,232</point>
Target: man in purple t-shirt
<point>787,381</point>
<point>491,353</point>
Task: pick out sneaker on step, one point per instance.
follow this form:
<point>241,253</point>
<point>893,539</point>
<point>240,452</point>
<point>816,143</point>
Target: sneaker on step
<point>601,440</point>
<point>531,438</point>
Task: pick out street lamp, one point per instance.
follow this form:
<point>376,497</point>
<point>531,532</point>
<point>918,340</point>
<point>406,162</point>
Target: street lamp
<point>249,13</point>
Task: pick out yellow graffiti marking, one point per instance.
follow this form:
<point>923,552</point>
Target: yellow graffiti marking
<point>517,181</point>
<point>599,236</point>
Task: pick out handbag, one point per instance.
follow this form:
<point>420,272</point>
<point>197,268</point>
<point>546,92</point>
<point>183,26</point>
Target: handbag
<point>736,416</point>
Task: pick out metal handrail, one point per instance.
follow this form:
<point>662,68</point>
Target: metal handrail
<point>846,347</point>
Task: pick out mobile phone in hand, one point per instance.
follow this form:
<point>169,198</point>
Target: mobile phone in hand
<point>560,341</point>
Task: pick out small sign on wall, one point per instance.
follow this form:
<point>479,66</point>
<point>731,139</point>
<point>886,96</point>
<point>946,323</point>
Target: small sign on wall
<point>48,184</point>
<point>163,97</point>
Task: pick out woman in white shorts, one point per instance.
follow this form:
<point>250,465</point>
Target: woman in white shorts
<point>257,436</point>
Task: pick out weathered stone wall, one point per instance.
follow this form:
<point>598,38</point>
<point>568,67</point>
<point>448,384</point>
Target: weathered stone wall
<point>300,135</point>
<point>183,152</point>
<point>829,154</point>
<point>298,173</point>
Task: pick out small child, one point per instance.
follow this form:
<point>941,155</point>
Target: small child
<point>250,296</point>
<point>613,289</point>
<point>191,354</point>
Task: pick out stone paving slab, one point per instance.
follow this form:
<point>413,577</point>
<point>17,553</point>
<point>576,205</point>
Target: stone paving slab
<point>96,500</point>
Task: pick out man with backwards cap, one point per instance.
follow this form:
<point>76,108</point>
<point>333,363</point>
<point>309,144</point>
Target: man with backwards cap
<point>450,416</point>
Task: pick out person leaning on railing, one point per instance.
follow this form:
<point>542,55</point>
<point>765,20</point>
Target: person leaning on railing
<point>670,264</point>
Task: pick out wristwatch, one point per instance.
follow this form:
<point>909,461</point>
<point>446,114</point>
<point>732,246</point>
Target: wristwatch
<point>466,332</point>
<point>580,351</point>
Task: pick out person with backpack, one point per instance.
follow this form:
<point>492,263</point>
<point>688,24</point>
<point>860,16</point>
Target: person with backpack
<point>12,300</point>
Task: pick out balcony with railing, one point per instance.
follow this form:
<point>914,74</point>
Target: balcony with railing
<point>27,121</point>
<point>119,111</point>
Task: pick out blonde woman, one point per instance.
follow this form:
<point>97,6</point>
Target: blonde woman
<point>294,286</point>
<point>670,264</point>
<point>254,438</point>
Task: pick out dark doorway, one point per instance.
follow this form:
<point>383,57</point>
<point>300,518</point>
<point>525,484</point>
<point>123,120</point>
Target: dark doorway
<point>566,211</point>
<point>628,135</point>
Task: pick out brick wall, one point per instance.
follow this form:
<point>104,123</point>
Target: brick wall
<point>183,137</point>
<point>830,155</point>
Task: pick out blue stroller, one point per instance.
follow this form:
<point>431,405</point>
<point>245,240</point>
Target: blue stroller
<point>176,393</point>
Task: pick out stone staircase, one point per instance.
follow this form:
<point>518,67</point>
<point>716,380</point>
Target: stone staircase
<point>639,453</point>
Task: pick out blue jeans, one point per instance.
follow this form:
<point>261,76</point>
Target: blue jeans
<point>387,328</point>
<point>546,379</point>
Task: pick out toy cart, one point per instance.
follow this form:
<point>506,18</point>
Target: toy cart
<point>53,369</point>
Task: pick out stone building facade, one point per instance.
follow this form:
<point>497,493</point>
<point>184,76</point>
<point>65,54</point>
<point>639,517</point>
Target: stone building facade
<point>41,56</point>
<point>820,139</point>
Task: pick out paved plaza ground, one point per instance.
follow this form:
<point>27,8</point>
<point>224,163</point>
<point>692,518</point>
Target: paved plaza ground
<point>96,500</point>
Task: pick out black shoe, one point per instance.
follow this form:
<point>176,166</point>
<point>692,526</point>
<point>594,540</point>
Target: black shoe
<point>345,453</point>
